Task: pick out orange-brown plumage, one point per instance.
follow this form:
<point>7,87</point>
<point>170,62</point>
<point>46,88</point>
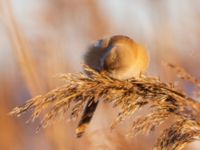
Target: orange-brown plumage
<point>121,58</point>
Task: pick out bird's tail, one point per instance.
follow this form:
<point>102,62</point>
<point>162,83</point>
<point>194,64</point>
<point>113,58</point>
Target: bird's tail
<point>86,117</point>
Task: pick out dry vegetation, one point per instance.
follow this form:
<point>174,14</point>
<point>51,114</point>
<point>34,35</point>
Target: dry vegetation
<point>36,42</point>
<point>163,100</point>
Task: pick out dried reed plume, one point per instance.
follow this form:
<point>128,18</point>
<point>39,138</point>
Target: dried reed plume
<point>163,99</point>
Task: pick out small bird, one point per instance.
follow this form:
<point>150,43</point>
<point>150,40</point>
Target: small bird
<point>119,57</point>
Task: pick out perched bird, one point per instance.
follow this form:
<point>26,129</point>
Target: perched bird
<point>119,57</point>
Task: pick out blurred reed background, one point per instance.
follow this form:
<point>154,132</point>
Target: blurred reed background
<point>41,38</point>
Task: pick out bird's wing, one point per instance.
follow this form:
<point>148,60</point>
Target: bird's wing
<point>94,53</point>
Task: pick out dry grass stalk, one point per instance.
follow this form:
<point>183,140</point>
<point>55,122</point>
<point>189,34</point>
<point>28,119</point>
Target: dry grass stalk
<point>183,74</point>
<point>183,131</point>
<point>22,51</point>
<point>130,95</point>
